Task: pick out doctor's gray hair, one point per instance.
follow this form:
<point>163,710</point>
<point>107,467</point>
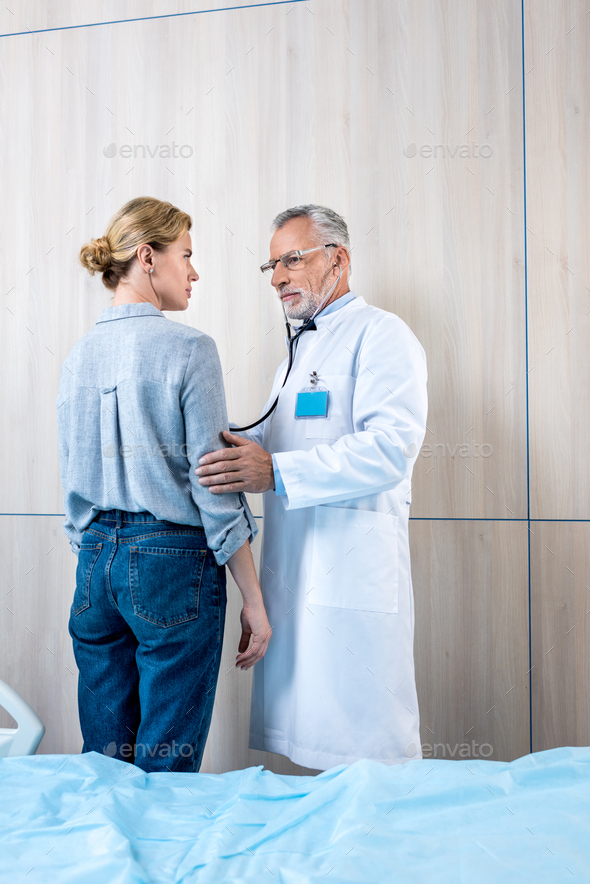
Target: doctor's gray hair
<point>328,226</point>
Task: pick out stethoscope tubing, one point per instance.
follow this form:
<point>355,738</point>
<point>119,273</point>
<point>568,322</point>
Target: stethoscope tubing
<point>292,341</point>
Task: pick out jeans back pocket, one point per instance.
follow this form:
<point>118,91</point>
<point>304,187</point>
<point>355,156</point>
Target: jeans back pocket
<point>165,583</point>
<point>89,553</point>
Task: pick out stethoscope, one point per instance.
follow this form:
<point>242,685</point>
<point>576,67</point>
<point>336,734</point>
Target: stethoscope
<point>292,341</point>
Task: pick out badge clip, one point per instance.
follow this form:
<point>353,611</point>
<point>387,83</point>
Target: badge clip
<point>312,402</point>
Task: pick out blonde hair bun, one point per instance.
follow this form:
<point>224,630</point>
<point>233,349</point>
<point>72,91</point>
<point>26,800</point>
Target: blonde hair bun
<point>96,255</point>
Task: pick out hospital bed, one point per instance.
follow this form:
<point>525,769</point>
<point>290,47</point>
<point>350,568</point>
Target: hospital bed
<point>23,739</point>
<point>89,818</point>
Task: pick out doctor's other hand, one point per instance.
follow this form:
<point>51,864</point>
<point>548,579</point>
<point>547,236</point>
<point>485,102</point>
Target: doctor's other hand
<point>255,626</point>
<point>245,467</point>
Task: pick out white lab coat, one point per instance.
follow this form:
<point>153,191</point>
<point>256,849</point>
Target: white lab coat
<point>337,681</point>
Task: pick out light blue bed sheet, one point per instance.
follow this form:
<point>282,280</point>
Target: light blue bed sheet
<point>89,818</point>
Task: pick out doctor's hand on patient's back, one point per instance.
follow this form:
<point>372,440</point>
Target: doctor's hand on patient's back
<point>253,619</point>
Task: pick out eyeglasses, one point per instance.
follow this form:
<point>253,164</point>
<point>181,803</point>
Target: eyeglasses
<point>292,260</point>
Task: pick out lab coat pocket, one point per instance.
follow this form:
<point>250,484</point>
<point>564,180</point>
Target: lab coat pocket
<point>339,418</point>
<point>354,560</point>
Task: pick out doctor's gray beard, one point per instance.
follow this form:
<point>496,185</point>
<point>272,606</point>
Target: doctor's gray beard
<point>308,304</point>
<point>305,306</point>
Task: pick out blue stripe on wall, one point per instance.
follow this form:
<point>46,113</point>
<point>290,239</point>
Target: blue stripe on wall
<point>120,21</point>
<point>526,327</point>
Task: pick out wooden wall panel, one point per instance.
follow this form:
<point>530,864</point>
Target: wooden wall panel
<point>560,634</point>
<point>471,636</point>
<point>557,53</point>
<point>439,240</point>
<point>36,657</point>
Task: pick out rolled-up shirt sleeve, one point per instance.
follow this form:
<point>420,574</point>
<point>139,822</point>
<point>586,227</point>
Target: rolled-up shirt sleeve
<point>227,519</point>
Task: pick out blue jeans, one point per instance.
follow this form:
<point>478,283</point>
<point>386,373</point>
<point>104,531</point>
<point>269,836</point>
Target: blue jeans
<point>147,624</point>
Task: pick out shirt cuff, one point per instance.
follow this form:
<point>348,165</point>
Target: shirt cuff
<point>279,484</point>
<point>246,529</point>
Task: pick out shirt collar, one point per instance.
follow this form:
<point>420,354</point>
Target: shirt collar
<point>124,311</point>
<point>337,304</point>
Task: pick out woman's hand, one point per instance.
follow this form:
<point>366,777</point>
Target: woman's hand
<point>253,618</point>
<point>255,625</point>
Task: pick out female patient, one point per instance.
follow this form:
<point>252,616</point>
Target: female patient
<point>140,400</point>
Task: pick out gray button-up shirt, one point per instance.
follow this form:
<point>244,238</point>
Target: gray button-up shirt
<point>140,400</point>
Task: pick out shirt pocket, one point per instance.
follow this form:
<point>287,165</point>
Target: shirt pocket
<point>355,560</point>
<point>339,420</point>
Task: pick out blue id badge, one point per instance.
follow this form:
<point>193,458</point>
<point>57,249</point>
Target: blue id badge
<point>311,403</point>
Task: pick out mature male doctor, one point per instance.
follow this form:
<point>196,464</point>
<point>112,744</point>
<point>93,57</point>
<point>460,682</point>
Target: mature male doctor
<point>334,462</point>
